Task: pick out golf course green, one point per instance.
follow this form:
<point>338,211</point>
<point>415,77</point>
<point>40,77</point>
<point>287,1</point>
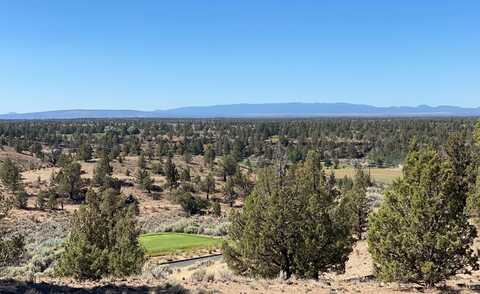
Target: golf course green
<point>161,243</point>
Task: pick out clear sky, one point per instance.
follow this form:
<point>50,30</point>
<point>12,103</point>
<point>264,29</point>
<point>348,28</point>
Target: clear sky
<point>160,54</point>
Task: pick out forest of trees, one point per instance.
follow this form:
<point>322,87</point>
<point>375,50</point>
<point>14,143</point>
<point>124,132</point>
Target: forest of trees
<point>381,141</point>
<point>296,219</point>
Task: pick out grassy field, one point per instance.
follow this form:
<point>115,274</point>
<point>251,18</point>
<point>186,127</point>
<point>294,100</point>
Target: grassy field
<point>380,175</point>
<point>160,243</point>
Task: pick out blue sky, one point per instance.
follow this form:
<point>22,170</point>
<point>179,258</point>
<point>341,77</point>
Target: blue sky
<point>161,54</point>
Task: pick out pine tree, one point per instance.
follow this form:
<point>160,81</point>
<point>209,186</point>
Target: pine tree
<point>421,232</point>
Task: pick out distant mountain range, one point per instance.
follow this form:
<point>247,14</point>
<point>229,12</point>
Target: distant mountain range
<point>271,110</point>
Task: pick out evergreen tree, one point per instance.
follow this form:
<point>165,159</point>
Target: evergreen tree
<point>21,199</point>
<point>40,201</point>
<point>142,162</point>
<point>103,240</point>
<point>208,185</point>
<point>229,192</point>
<point>52,202</point>
<point>421,232</point>
<point>10,248</point>
<point>209,156</point>
<point>357,200</point>
<point>171,173</point>
<point>68,180</point>
<point>144,180</point>
<point>189,203</point>
<point>102,171</point>
<point>10,175</point>
<point>289,225</point>
<point>229,166</point>
<point>85,152</point>
<point>216,209</point>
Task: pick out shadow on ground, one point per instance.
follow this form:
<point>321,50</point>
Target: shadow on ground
<point>13,286</point>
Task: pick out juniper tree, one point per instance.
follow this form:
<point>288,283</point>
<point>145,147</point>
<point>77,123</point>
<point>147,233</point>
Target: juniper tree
<point>229,192</point>
<point>10,248</point>
<point>40,200</point>
<point>21,199</point>
<point>228,165</point>
<point>171,173</point>
<point>144,180</point>
<point>68,180</point>
<point>103,169</point>
<point>85,152</point>
<point>473,201</point>
<point>209,156</point>
<point>190,203</point>
<point>10,175</point>
<point>290,224</point>
<point>421,231</point>
<point>52,202</point>
<point>208,185</point>
<point>103,240</point>
<point>357,201</point>
<point>142,162</point>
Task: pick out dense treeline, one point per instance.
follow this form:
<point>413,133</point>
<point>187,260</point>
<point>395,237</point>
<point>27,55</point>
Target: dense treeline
<point>382,141</point>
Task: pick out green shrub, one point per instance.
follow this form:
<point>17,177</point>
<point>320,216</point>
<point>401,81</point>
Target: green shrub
<point>21,199</point>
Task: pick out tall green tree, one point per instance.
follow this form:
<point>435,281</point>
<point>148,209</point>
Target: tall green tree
<point>10,248</point>
<point>208,185</point>
<point>103,170</point>
<point>209,156</point>
<point>85,152</point>
<point>171,173</point>
<point>357,201</point>
<point>473,201</point>
<point>290,224</point>
<point>228,165</point>
<point>10,175</point>
<point>144,180</point>
<point>103,240</point>
<point>421,232</point>
<point>68,180</point>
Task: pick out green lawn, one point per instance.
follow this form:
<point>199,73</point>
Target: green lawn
<point>381,175</point>
<point>160,243</point>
